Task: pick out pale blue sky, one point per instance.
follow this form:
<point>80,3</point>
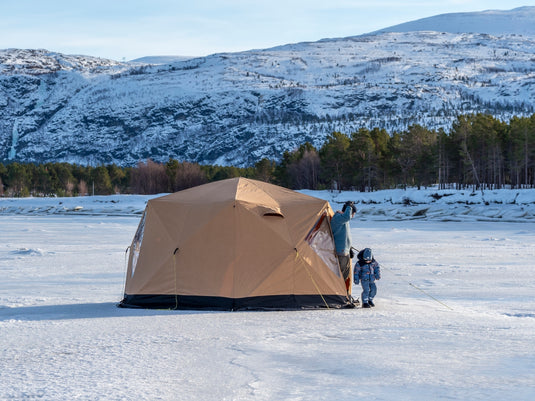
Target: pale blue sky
<point>128,29</point>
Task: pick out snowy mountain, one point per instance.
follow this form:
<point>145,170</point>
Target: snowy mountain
<point>235,108</point>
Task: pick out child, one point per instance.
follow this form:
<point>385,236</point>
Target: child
<point>367,270</point>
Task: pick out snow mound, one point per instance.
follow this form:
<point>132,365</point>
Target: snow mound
<point>28,252</point>
<point>394,204</point>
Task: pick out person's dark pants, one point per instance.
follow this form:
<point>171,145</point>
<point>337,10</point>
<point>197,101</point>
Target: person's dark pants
<point>345,267</point>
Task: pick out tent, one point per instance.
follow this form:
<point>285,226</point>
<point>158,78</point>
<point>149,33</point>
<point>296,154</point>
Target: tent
<point>232,245</point>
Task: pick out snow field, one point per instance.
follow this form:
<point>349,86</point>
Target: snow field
<point>454,320</point>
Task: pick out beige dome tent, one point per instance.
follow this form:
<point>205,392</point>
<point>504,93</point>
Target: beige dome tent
<point>231,245</point>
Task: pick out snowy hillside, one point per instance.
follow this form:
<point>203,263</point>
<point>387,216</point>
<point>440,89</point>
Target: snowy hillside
<point>454,316</point>
<point>236,108</point>
<point>160,59</point>
<point>41,62</point>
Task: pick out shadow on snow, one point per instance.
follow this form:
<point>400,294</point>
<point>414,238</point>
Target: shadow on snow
<point>82,311</point>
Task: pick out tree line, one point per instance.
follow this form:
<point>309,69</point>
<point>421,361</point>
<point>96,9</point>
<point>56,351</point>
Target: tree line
<point>479,151</point>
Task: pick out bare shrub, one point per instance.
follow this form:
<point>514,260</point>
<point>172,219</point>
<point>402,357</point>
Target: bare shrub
<point>82,188</point>
<point>149,178</point>
<point>189,175</point>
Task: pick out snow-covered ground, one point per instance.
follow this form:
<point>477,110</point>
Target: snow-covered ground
<point>455,314</point>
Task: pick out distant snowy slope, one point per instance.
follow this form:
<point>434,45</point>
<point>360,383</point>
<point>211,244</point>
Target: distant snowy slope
<point>160,59</point>
<point>494,22</point>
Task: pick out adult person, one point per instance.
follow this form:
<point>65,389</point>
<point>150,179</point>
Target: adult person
<point>342,240</point>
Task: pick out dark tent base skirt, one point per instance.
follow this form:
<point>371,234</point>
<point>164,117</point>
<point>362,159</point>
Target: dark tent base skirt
<point>272,302</point>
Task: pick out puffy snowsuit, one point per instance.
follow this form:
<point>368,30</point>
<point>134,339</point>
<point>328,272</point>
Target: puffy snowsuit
<point>366,274</point>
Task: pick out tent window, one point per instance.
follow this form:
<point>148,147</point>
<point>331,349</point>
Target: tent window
<point>321,241</point>
<point>136,246</point>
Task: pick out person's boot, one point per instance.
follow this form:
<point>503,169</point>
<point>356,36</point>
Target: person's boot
<point>370,302</point>
<point>366,305</point>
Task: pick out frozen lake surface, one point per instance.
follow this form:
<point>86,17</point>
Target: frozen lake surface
<point>455,319</point>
